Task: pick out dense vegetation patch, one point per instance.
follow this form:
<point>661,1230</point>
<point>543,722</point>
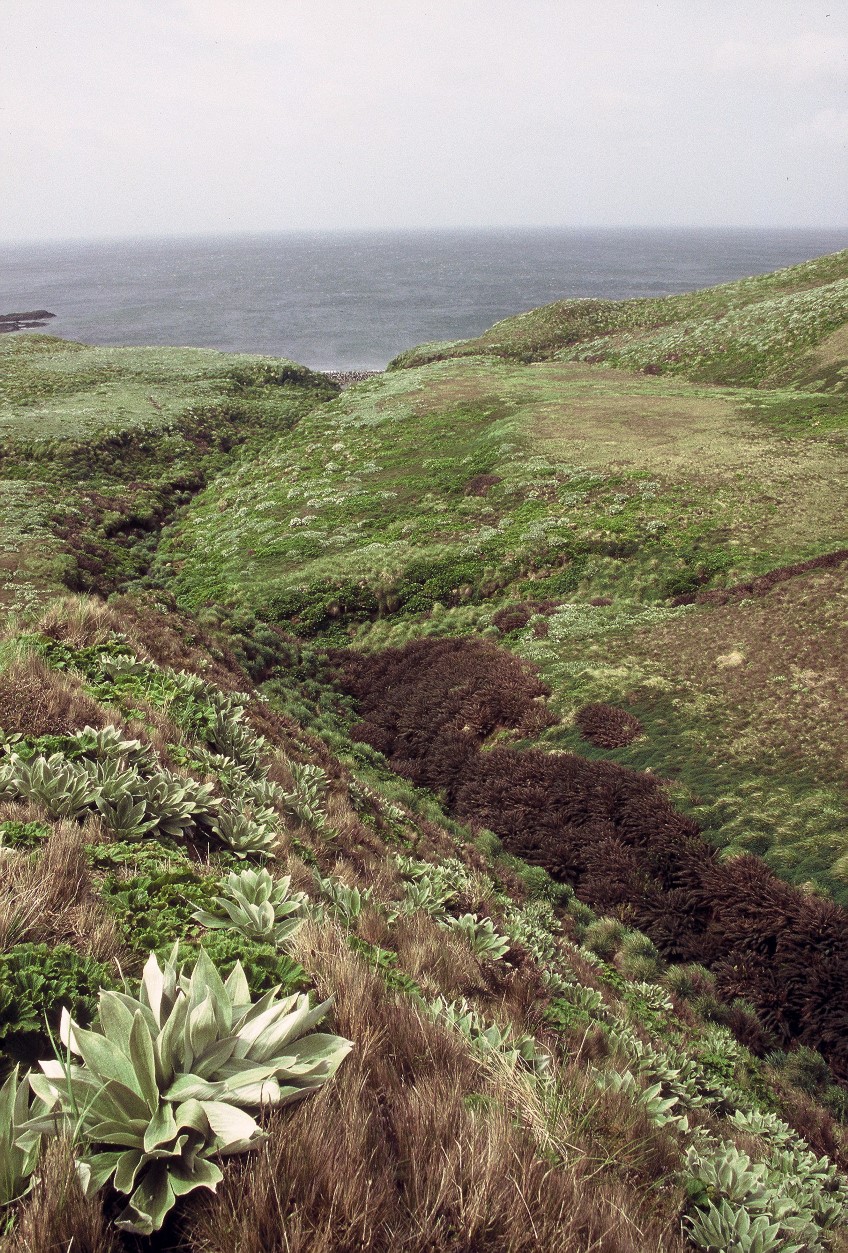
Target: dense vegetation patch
<point>607,831</point>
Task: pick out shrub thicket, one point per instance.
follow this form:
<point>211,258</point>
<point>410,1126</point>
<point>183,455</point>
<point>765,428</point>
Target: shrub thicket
<point>609,831</point>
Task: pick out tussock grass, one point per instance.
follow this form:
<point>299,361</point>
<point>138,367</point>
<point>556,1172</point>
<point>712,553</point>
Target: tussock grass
<point>35,700</point>
<point>49,895</point>
<point>56,1215</point>
<point>480,1181</point>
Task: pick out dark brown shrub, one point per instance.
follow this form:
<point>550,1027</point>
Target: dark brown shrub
<point>480,484</point>
<point>514,617</point>
<point>612,834</point>
<point>606,726</point>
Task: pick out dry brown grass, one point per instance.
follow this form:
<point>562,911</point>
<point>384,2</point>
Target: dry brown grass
<point>81,621</point>
<point>48,897</point>
<point>35,700</point>
<point>416,1147</point>
<point>56,1217</point>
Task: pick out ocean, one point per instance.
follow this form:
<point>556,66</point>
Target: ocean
<point>353,300</point>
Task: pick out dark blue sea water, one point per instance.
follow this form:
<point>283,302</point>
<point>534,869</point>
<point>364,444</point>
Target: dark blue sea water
<point>340,301</point>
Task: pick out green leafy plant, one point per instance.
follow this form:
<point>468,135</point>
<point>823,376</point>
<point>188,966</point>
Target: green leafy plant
<point>346,903</point>
<point>125,818</point>
<point>490,1037</point>
<point>725,1228</point>
<point>264,965</point>
<point>144,857</point>
<point>255,904</point>
<point>154,908</point>
<point>65,788</point>
<point>385,962</point>
<point>248,834</point>
<point>166,1080</point>
<point>307,800</point>
<point>230,737</point>
<point>22,834</point>
<point>19,1149</point>
<point>790,1196</point>
<point>36,981</point>
<point>109,744</point>
<point>481,935</point>
<point>659,1108</point>
<point>173,804</point>
<point>425,894</point>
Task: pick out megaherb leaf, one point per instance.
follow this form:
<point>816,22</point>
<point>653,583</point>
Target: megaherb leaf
<point>256,905</point>
<point>65,788</point>
<point>167,1078</point>
<point>18,1149</point>
<point>481,935</point>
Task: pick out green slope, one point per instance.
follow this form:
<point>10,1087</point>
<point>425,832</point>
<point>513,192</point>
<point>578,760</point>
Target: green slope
<point>758,331</point>
<point>644,500</point>
<point>98,446</point>
<point>431,499</point>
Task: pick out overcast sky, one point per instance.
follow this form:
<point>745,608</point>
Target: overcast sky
<point>121,117</point>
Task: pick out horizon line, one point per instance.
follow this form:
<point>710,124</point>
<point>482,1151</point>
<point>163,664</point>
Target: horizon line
<point>304,231</point>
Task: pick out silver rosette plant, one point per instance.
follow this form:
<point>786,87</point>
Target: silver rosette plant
<point>256,905</point>
<point>164,1082</point>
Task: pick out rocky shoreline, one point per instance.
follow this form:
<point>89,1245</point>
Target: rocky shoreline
<point>24,321</point>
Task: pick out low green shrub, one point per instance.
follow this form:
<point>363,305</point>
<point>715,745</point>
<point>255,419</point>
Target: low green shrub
<point>154,909</point>
<point>23,834</point>
<point>38,981</point>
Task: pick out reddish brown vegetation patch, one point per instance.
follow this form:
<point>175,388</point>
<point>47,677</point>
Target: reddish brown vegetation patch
<point>480,484</point>
<point>606,726</point>
<point>764,583</point>
<point>514,617</point>
<point>455,690</point>
<point>609,831</point>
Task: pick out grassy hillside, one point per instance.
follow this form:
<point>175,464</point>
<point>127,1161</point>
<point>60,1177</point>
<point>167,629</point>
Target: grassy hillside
<point>491,1013</point>
<point>760,331</point>
<point>572,511</point>
<point>477,737</point>
<point>98,446</point>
